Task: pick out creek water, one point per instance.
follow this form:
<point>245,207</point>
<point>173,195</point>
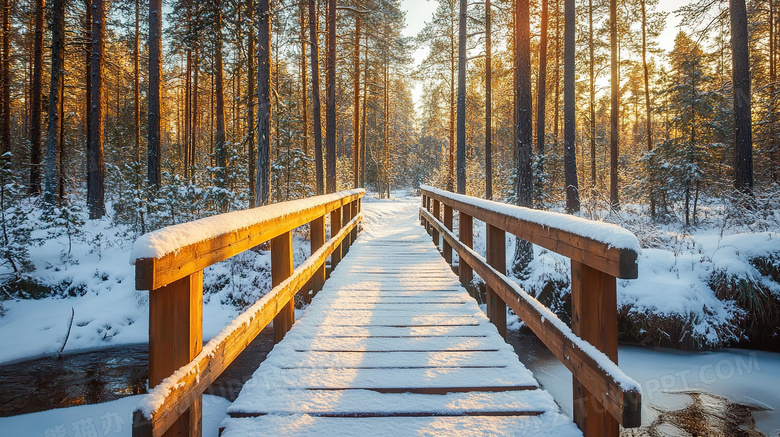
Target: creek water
<point>722,392</point>
<point>75,379</point>
<point>104,375</point>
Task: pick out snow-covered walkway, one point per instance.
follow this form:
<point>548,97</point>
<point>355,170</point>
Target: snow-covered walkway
<point>393,345</point>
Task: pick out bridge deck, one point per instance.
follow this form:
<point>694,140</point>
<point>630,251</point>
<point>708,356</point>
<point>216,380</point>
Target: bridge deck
<point>393,345</point>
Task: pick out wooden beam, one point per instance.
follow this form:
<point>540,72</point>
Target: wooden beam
<point>446,248</point>
<point>281,269</point>
<point>434,234</point>
<point>335,226</point>
<point>496,257</point>
<point>179,394</point>
<point>620,263</point>
<point>317,237</point>
<point>154,273</point>
<point>622,404</point>
<point>594,319</point>
<point>175,338</point>
<point>466,235</point>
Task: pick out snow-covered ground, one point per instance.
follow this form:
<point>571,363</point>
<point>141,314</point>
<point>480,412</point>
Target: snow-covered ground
<point>107,419</point>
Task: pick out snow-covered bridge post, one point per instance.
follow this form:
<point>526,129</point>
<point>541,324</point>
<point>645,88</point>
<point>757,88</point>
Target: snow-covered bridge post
<point>604,397</point>
<point>281,269</point>
<point>496,257</point>
<point>434,233</point>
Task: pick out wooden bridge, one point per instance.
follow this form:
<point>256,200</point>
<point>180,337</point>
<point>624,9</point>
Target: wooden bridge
<point>392,344</point>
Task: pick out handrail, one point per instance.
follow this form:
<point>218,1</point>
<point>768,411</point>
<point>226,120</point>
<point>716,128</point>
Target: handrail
<point>179,369</point>
<point>604,395</point>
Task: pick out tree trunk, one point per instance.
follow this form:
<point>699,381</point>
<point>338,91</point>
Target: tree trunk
<point>356,108</point>
<point>556,111</point>
<point>773,143</point>
<point>263,184</point>
<point>451,172</point>
<point>569,115</point>
<point>53,131</point>
<point>524,184</point>
<point>35,113</point>
<point>488,101</point>
<point>304,83</point>
<point>187,109</point>
<point>315,98</point>
<point>461,152</point>
<point>95,166</point>
<point>137,85</point>
<point>195,113</point>
<point>613,115</point>
<point>648,112</point>
<point>250,118</point>
<point>330,110</point>
<point>61,145</point>
<point>386,127</point>
<point>592,72</point>
<point>363,136</point>
<point>6,76</point>
<point>740,58</point>
<point>541,88</point>
<point>154,176</point>
<point>219,83</point>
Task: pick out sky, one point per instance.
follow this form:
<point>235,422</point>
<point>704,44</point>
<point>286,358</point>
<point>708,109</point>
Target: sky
<point>420,11</point>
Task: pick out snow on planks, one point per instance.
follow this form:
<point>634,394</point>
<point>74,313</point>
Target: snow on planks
<point>393,345</point>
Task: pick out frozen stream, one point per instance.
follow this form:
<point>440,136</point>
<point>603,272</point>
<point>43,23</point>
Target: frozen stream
<point>750,378</point>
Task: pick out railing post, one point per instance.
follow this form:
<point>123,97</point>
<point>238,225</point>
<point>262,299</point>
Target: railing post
<point>434,232</point>
<point>346,216</point>
<point>355,212</point>
<point>594,319</point>
<point>281,269</point>
<point>175,338</point>
<point>496,257</point>
<point>447,249</point>
<point>317,237</point>
<point>466,236</point>
<point>335,227</point>
<point>422,222</point>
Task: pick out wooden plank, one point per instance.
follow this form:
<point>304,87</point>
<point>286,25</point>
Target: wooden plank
<point>175,338</point>
<point>152,273</point>
<point>299,425</point>
<point>496,257</point>
<point>434,233</point>
<point>335,225</point>
<point>623,405</point>
<point>281,269</point>
<point>446,248</point>
<point>346,402</point>
<point>181,393</point>
<point>620,263</point>
<point>317,237</point>
<point>466,235</point>
<point>594,319</point>
<point>355,211</point>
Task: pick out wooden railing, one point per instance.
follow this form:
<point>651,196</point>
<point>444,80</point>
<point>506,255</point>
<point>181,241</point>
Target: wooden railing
<point>170,262</point>
<point>604,396</point>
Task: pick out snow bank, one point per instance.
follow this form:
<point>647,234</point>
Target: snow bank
<point>109,418</point>
<point>168,240</point>
<point>609,234</point>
